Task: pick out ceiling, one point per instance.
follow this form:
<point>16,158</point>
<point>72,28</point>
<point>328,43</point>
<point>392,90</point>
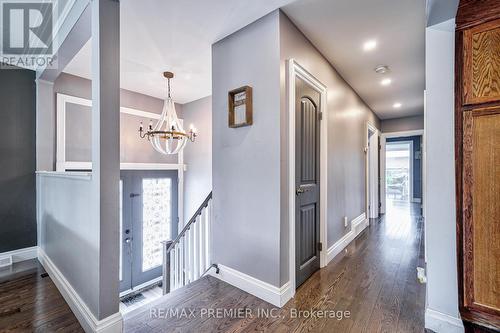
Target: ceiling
<point>160,35</point>
<point>339,28</point>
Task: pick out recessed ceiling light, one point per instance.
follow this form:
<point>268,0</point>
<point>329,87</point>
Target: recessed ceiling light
<point>382,69</point>
<point>397,105</point>
<point>386,82</point>
<point>370,45</point>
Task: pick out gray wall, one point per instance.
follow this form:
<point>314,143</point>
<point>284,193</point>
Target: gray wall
<point>250,164</point>
<point>69,232</point>
<point>132,148</point>
<point>197,155</point>
<point>347,118</point>
<point>442,289</point>
<point>246,160</point>
<point>45,126</point>
<point>18,159</point>
<point>402,124</point>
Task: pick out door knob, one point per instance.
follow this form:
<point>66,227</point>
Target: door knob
<point>128,240</point>
<point>299,190</point>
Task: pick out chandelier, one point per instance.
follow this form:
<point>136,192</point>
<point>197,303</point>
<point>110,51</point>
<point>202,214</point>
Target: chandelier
<point>168,136</point>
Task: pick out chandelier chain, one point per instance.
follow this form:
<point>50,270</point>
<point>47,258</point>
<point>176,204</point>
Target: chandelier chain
<point>168,88</point>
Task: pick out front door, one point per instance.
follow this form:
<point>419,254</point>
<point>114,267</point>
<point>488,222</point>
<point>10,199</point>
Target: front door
<point>148,217</point>
<point>307,140</point>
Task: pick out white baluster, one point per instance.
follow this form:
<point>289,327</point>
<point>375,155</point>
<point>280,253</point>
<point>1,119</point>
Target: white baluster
<point>177,266</point>
<point>186,256</point>
<point>208,233</point>
<point>191,254</point>
<point>172,269</point>
<point>196,264</point>
<point>203,234</point>
<point>182,266</point>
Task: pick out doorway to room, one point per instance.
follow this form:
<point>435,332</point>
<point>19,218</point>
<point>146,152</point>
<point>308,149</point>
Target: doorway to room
<point>398,171</point>
<point>402,173</point>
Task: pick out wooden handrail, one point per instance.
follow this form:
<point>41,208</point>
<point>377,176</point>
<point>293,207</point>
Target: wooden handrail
<point>191,221</point>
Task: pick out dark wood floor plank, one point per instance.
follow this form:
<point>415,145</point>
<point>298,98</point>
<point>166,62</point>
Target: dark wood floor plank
<point>31,303</point>
<point>374,279</point>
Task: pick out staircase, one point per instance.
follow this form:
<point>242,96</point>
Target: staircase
<point>187,257</point>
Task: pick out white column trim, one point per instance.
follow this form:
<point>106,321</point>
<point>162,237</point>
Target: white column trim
<point>442,323</point>
<point>111,324</point>
<point>371,183</point>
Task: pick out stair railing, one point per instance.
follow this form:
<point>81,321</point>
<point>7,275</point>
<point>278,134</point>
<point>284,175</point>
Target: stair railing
<point>187,257</point>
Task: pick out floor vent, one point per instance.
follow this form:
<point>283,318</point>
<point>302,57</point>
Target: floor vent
<point>130,300</point>
<point>5,261</point>
<point>44,275</point>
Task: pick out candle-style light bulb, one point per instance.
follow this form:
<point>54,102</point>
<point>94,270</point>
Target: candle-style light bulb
<point>150,125</point>
<point>141,127</point>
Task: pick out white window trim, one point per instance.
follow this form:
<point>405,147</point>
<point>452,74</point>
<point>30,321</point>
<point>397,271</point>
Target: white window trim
<point>62,164</point>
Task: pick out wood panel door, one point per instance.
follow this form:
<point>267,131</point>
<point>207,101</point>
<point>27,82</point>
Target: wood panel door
<point>478,163</point>
<point>307,173</point>
<point>481,197</point>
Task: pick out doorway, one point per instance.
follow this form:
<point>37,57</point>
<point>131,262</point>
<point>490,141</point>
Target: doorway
<point>399,171</point>
<point>307,185</point>
<point>149,216</point>
<point>402,172</point>
<point>395,189</point>
<point>307,176</point>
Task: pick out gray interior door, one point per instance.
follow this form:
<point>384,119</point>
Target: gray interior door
<point>307,154</point>
<point>149,216</point>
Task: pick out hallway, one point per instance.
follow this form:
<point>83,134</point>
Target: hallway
<point>374,280</point>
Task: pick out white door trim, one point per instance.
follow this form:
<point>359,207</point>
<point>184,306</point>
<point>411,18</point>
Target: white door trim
<point>294,70</point>
<point>371,183</point>
<point>384,137</point>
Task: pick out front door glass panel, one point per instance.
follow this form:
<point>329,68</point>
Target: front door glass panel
<point>156,219</point>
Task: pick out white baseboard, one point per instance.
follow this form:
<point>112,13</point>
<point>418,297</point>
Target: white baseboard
<point>263,290</point>
<point>20,255</point>
<point>442,323</point>
<point>111,324</point>
<point>357,226</point>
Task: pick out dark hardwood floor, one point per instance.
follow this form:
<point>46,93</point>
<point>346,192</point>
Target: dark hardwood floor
<point>374,279</point>
<point>32,303</point>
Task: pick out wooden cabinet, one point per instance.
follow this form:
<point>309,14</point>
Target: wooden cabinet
<point>477,123</point>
